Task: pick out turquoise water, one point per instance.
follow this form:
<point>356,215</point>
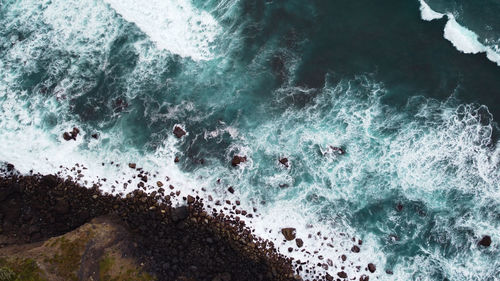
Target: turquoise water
<point>411,94</point>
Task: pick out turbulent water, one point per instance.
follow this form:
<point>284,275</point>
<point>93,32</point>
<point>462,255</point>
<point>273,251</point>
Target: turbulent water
<point>410,89</point>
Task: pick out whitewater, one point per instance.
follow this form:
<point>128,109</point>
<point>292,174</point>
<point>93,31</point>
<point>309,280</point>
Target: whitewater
<point>440,159</point>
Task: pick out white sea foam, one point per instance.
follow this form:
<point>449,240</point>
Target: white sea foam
<point>429,14</point>
<point>174,25</point>
<point>464,39</point>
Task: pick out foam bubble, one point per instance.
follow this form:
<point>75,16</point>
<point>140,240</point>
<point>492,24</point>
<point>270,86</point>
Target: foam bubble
<point>174,25</point>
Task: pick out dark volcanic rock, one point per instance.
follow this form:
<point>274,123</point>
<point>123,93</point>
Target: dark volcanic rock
<point>299,242</point>
<point>95,136</point>
<point>485,241</point>
<point>288,233</point>
<point>237,160</point>
<point>284,161</point>
<point>183,243</point>
<point>230,189</point>
<point>67,136</point>
<point>179,132</point>
<point>342,274</point>
<point>372,267</point>
<point>355,249</point>
<point>180,213</point>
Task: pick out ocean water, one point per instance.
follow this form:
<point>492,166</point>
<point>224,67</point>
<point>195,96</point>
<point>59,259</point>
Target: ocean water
<point>410,89</point>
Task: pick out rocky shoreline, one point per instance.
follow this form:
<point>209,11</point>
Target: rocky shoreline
<point>183,243</point>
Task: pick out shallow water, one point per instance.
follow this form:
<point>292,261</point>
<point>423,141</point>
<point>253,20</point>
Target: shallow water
<point>409,89</point>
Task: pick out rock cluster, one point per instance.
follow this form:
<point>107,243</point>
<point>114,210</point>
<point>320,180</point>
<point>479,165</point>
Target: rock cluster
<point>183,243</point>
<point>71,135</point>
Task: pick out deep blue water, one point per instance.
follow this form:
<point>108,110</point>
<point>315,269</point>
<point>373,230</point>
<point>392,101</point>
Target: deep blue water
<point>413,101</point>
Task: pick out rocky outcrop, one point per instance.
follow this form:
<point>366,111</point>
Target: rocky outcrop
<point>179,132</point>
<point>158,240</point>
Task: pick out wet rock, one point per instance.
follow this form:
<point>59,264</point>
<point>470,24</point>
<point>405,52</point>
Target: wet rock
<point>159,184</point>
<point>389,272</point>
<point>288,233</point>
<point>299,242</point>
<point>342,274</point>
<point>67,136</point>
<point>485,241</point>
<point>355,249</point>
<point>176,160</point>
<point>344,257</point>
<point>230,189</point>
<point>132,165</point>
<point>95,136</point>
<point>284,161</point>
<point>364,278</point>
<point>179,132</point>
<point>238,160</point>
<point>190,199</point>
<point>371,267</point>
<point>75,132</point>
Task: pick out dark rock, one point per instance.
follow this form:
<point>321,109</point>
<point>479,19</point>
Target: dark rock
<point>237,160</point>
<point>364,278</point>
<point>61,206</point>
<point>190,199</point>
<point>355,249</point>
<point>389,272</point>
<point>180,213</point>
<point>176,160</point>
<point>485,241</point>
<point>49,181</point>
<point>342,274</point>
<point>344,257</point>
<point>371,267</point>
<point>10,167</point>
<point>222,277</point>
<point>288,233</point>
<point>299,242</point>
<point>132,165</point>
<point>284,161</point>
<point>67,136</point>
<point>230,189</point>
<point>95,136</point>
<point>179,132</point>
